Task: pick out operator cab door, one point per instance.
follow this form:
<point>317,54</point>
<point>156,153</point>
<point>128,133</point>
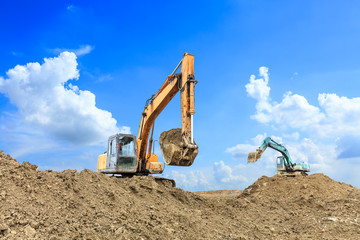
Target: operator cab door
<point>112,153</point>
<point>121,155</point>
<point>280,163</point>
<point>126,146</point>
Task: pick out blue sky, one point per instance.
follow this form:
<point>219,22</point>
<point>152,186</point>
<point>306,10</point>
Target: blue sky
<point>104,59</point>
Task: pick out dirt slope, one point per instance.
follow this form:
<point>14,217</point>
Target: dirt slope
<point>220,194</point>
<point>311,207</point>
<point>87,205</point>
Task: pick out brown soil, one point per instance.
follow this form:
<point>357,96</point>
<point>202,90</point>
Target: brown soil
<point>87,205</point>
<point>173,149</point>
<point>219,194</point>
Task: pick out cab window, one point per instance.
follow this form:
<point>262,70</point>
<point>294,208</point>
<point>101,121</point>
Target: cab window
<point>113,146</point>
<point>126,146</point>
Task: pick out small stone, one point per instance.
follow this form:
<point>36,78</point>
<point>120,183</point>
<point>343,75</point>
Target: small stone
<point>29,231</point>
<point>119,231</point>
<point>3,227</point>
<point>3,194</point>
<point>34,224</point>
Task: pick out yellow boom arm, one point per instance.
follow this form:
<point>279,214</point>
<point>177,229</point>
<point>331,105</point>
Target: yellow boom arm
<point>183,82</point>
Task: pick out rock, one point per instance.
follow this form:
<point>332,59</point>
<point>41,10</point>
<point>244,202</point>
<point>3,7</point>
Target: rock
<point>29,231</point>
<point>4,227</point>
<point>3,195</point>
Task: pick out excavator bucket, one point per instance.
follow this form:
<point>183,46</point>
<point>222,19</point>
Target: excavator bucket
<point>254,156</point>
<point>176,150</point>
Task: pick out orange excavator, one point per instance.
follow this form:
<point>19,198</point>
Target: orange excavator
<point>127,154</point>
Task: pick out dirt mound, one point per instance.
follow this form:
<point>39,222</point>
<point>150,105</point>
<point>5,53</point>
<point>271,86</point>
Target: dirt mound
<point>220,194</point>
<point>87,205</point>
<point>174,150</point>
<point>302,207</point>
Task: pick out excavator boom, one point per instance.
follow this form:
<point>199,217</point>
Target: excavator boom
<point>186,149</point>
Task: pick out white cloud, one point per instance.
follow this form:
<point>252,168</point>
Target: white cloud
<point>21,139</point>
<point>294,75</point>
<point>17,54</point>
<point>240,152</point>
<point>192,180</point>
<point>224,174</point>
<point>322,157</point>
<point>47,100</point>
<point>71,8</point>
<point>334,117</point>
<point>82,50</point>
<point>258,88</point>
<point>105,77</point>
<point>221,176</point>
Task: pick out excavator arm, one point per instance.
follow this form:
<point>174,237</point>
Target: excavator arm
<point>269,142</point>
<point>183,82</point>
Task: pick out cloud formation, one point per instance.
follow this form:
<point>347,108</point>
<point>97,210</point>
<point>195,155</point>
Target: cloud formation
<point>329,130</point>
<point>224,174</point>
<point>82,50</point>
<point>334,116</point>
<point>192,180</point>
<point>47,99</point>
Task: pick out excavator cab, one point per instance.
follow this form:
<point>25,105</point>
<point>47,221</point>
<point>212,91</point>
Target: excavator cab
<point>280,165</point>
<point>120,155</point>
<point>296,167</point>
<point>126,150</point>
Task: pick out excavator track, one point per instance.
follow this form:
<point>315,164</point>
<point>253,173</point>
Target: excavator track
<point>160,180</point>
<point>291,174</point>
<point>165,181</point>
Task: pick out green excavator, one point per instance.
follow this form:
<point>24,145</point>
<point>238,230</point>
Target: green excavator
<point>284,164</point>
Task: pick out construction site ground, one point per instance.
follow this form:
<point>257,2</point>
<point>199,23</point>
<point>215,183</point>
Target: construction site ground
<point>88,205</point>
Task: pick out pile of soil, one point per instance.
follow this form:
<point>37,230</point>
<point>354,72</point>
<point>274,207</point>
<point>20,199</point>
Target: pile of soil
<point>174,149</point>
<point>88,205</point>
<point>220,194</point>
<point>302,207</point>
